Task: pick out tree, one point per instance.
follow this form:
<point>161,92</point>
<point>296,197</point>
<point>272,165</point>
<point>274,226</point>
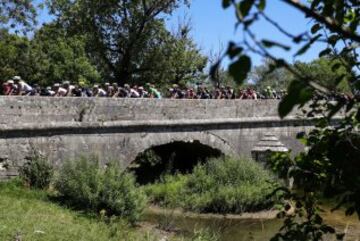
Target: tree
<point>219,76</point>
<point>330,166</point>
<point>14,56</point>
<point>320,71</point>
<point>49,57</point>
<point>186,61</point>
<point>126,41</point>
<point>177,60</point>
<point>278,79</point>
<point>18,14</point>
<point>56,57</point>
<point>129,38</point>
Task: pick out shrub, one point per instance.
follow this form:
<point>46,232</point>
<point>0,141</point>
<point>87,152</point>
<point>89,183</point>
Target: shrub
<point>84,184</point>
<point>169,191</point>
<point>120,195</point>
<point>230,185</point>
<point>80,183</point>
<point>220,185</point>
<point>37,172</point>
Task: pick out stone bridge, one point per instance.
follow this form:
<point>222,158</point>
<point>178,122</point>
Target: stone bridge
<point>120,129</point>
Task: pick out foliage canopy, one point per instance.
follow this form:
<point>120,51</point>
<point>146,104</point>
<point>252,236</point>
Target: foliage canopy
<point>129,39</point>
<point>92,41</point>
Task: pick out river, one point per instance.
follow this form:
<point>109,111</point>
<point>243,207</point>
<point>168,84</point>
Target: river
<point>237,228</point>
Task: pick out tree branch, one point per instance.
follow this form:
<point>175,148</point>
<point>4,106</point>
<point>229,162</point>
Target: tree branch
<point>330,23</point>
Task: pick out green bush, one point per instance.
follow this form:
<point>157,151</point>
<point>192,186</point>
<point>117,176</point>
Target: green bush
<point>84,184</point>
<point>119,194</point>
<point>37,173</point>
<point>168,192</point>
<point>80,183</point>
<point>220,185</point>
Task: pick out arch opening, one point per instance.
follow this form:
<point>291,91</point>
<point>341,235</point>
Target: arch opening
<point>176,157</point>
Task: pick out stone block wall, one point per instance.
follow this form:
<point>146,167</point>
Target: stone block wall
<point>119,129</point>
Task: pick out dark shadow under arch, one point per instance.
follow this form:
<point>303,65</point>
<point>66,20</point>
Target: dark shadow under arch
<point>175,157</point>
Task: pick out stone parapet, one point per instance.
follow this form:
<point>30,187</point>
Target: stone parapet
<point>120,129</point>
<point>49,109</point>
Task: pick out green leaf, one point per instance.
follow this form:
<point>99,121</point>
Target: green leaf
<point>335,108</point>
<point>315,28</point>
<point>248,22</point>
<point>297,39</point>
<point>305,95</point>
<point>339,79</point>
<point>226,3</point>
<point>278,63</point>
<point>350,16</point>
<point>245,7</point>
<point>261,5</point>
<point>299,93</point>
<point>335,67</point>
<point>325,52</point>
<point>240,69</point>
<point>314,4</point>
<point>233,50</point>
<point>307,46</point>
<point>269,44</point>
<point>333,39</point>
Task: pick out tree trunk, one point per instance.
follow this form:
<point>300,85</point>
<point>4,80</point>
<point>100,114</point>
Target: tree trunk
<point>123,73</point>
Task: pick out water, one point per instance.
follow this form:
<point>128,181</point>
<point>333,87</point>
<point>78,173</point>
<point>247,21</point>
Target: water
<point>238,229</point>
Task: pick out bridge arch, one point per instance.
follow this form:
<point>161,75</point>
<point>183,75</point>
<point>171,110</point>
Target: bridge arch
<point>175,153</point>
<point>150,140</point>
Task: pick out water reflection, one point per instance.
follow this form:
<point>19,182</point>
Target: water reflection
<point>247,229</point>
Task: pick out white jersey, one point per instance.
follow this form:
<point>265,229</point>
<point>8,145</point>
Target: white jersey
<point>70,90</point>
<point>24,87</point>
<point>134,93</point>
<point>100,93</point>
<point>61,92</point>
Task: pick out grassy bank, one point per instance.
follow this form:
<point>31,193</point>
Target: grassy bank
<point>89,202</point>
<point>31,215</point>
<point>219,186</point>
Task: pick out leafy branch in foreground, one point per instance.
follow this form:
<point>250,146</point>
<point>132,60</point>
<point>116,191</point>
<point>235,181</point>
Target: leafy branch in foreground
<point>329,169</point>
<point>330,165</point>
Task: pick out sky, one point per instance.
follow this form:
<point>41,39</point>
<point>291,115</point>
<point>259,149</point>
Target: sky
<point>213,26</point>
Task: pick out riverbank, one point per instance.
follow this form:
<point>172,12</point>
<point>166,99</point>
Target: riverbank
<point>261,215</point>
<point>32,215</point>
<point>253,226</point>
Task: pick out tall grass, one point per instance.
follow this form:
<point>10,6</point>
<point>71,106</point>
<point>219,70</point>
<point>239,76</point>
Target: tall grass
<point>29,214</point>
<point>85,185</point>
<point>223,185</point>
<point>37,172</point>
